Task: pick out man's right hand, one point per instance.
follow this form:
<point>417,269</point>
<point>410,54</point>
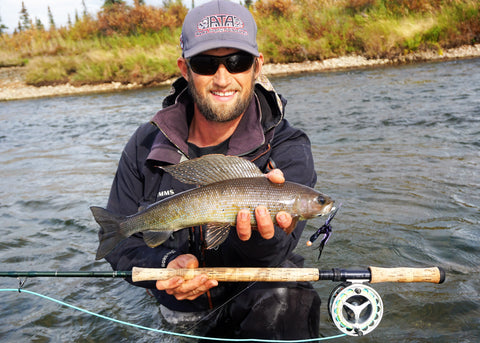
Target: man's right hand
<point>183,289</point>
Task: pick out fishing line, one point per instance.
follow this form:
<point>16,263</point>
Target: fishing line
<point>164,331</point>
<point>210,314</point>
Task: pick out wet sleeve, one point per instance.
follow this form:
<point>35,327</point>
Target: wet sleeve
<point>125,196</point>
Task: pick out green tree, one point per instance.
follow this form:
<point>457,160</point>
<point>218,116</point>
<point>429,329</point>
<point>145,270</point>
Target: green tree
<point>109,3</point>
<point>2,27</point>
<point>24,23</point>
<point>51,22</point>
<point>170,3</point>
<point>39,25</point>
<point>85,12</point>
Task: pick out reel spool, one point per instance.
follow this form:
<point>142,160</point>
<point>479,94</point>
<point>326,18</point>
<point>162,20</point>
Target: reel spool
<point>356,309</point>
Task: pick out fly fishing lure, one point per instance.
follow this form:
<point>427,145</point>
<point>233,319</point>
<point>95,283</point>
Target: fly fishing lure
<point>326,230</point>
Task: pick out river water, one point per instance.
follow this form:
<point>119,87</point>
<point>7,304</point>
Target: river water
<point>398,146</point>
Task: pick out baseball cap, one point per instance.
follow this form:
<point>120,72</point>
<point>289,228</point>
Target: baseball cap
<point>218,24</point>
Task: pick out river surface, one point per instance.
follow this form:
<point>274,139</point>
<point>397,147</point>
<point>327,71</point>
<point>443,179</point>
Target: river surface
<point>398,146</point>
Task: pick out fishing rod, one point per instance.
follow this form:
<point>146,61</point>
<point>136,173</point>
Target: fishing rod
<point>371,275</point>
<point>354,307</point>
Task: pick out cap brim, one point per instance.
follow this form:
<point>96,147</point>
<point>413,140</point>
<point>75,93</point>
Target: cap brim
<point>209,45</point>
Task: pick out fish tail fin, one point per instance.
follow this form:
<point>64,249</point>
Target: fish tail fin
<point>110,235</point>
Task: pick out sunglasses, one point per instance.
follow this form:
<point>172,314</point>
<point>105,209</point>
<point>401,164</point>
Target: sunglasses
<point>208,65</point>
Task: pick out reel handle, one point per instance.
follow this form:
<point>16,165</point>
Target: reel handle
<point>433,275</point>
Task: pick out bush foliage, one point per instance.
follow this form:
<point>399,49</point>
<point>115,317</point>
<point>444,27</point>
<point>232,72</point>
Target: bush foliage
<point>140,43</point>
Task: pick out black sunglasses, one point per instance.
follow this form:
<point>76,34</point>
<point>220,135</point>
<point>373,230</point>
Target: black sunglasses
<point>208,65</point>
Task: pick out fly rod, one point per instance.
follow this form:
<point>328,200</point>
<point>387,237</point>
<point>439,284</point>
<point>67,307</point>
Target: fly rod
<point>372,274</point>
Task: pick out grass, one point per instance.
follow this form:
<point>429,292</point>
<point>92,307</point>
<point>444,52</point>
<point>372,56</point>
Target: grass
<point>141,43</point>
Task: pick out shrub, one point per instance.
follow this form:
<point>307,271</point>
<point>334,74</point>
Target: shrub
<point>139,43</point>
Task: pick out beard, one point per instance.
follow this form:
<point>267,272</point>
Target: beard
<point>221,113</point>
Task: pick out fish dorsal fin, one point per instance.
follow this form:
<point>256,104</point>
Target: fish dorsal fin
<point>213,168</point>
<point>216,234</point>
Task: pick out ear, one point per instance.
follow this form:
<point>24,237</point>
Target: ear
<point>259,64</point>
<point>182,65</point>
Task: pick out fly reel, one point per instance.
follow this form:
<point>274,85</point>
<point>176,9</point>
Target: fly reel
<point>355,308</point>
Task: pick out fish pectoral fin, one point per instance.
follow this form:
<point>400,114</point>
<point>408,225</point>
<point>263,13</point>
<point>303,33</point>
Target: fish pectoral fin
<point>292,226</point>
<point>155,238</point>
<point>216,234</point>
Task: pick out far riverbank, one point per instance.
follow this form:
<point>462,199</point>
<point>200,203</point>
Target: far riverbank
<point>13,86</point>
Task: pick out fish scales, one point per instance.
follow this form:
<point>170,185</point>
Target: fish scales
<point>215,203</point>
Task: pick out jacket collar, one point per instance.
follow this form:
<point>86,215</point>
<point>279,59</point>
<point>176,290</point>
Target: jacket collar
<point>262,115</point>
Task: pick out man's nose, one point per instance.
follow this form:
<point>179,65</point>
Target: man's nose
<point>222,76</point>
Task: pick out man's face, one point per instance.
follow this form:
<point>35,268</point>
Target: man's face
<point>223,96</point>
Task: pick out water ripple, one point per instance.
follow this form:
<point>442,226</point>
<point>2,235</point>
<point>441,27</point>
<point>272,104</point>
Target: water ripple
<point>399,147</point>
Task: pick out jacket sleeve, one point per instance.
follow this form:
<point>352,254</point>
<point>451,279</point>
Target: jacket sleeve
<point>125,198</point>
<point>291,152</point>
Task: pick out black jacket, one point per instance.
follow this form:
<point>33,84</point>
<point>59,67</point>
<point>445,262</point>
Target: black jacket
<point>263,136</point>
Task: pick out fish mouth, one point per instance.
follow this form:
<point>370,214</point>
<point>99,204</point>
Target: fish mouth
<point>327,209</point>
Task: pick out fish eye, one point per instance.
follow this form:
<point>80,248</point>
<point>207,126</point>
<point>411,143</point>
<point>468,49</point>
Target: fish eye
<point>321,200</point>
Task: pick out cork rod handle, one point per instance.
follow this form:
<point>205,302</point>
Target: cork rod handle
<point>433,275</point>
<point>228,274</point>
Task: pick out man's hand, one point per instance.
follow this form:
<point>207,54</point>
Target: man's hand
<point>182,289</point>
<point>262,216</point>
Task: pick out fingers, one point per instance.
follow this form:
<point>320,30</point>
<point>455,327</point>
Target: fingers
<point>284,219</point>
<point>244,229</point>
<point>182,289</point>
<point>275,176</point>
<point>264,222</point>
<point>187,290</point>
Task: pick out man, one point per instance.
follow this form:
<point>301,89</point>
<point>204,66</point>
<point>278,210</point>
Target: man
<point>221,105</point>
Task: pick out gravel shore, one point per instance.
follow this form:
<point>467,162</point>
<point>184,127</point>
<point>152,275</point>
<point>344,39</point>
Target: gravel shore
<point>13,87</point>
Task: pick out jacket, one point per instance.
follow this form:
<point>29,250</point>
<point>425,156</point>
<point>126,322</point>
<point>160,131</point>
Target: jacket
<point>263,136</point>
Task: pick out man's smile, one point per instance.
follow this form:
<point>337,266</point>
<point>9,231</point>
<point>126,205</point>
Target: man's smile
<point>227,93</point>
<point>223,96</point>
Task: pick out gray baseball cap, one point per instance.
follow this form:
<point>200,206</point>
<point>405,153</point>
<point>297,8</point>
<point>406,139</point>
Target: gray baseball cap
<point>218,24</point>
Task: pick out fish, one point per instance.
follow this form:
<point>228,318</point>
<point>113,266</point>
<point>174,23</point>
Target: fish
<point>226,184</point>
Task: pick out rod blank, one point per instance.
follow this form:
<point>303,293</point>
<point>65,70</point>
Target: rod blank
<point>93,274</point>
